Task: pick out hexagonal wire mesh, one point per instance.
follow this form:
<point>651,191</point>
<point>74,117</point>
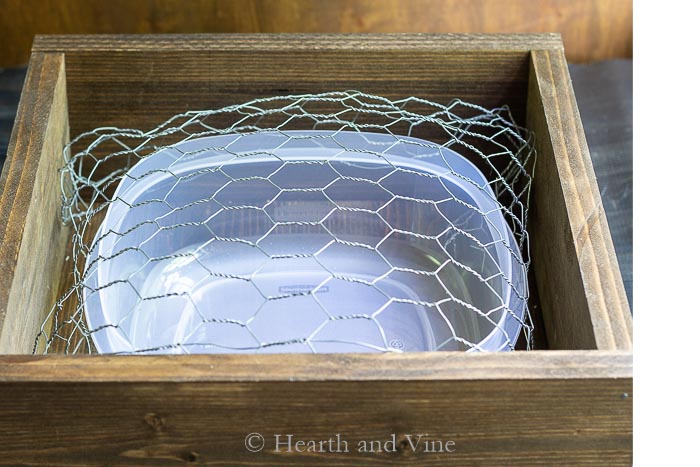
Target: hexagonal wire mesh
<point>332,222</point>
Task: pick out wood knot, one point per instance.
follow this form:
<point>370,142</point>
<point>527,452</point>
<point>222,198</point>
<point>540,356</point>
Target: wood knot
<point>190,456</point>
<point>403,447</point>
<point>155,421</point>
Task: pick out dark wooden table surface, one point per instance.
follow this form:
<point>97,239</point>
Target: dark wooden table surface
<point>604,95</point>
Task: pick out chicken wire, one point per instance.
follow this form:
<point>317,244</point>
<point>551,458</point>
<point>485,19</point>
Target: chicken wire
<point>98,161</point>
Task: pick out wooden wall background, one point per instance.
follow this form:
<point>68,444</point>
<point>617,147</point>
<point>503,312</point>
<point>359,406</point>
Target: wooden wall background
<point>591,29</point>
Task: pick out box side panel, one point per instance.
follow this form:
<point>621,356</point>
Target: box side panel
<point>554,408</point>
<point>33,238</point>
<point>581,291</point>
<point>140,81</point>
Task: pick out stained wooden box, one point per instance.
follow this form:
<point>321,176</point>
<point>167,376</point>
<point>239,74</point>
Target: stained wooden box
<point>568,403</point>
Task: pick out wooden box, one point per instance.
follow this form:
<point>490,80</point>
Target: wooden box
<point>570,403</point>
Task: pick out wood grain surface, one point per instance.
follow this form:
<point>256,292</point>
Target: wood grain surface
<point>427,366</point>
<point>526,408</point>
<point>571,239</point>
<point>32,238</point>
<point>592,29</point>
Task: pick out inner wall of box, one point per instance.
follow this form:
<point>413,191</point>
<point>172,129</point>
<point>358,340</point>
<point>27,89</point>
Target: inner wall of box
<point>136,90</point>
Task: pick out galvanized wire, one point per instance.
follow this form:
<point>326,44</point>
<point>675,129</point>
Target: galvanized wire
<point>98,161</point>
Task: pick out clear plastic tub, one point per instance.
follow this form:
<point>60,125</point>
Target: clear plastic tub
<point>304,241</point>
